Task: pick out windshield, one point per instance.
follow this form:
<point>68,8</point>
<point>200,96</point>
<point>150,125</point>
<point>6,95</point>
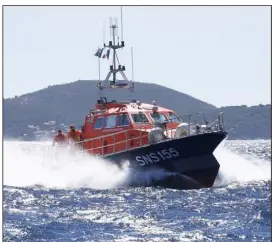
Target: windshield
<point>140,118</point>
<point>158,117</point>
<point>174,118</point>
<point>123,120</point>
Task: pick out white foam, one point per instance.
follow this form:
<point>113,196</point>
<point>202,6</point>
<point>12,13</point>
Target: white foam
<point>237,168</point>
<point>33,163</point>
<point>37,163</point>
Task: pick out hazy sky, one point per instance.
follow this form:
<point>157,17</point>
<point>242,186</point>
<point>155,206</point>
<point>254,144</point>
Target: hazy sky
<point>220,55</point>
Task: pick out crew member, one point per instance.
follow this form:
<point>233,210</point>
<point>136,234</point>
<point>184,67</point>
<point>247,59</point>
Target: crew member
<point>73,134</point>
<point>59,139</point>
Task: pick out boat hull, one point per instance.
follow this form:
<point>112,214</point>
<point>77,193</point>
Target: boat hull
<point>190,159</point>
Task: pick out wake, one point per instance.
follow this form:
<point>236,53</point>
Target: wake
<point>34,163</point>
<point>236,168</point>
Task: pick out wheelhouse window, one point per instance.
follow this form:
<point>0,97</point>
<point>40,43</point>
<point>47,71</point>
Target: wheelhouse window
<point>158,117</point>
<point>139,118</point>
<point>110,121</point>
<point>99,123</point>
<point>123,120</point>
<point>174,118</point>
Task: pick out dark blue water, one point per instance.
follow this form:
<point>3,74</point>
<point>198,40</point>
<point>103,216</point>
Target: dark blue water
<point>238,208</point>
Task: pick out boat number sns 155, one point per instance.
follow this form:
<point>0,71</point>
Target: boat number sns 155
<point>157,156</point>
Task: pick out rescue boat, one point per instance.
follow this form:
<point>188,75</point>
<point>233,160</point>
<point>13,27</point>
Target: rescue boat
<point>148,136</point>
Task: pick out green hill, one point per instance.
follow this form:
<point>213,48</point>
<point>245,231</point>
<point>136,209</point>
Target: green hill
<point>69,103</point>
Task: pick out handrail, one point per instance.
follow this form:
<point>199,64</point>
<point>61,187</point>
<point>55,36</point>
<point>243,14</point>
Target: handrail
<point>104,136</point>
<point>108,135</point>
<point>114,144</point>
<point>211,127</point>
<point>113,135</point>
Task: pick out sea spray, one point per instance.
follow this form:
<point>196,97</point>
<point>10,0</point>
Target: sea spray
<point>37,163</point>
<point>237,168</point>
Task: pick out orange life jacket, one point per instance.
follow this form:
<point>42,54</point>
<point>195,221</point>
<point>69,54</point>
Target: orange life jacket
<point>75,135</point>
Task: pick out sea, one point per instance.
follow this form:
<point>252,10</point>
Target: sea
<point>80,198</point>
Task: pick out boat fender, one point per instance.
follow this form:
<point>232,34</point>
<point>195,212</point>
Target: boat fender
<point>156,135</point>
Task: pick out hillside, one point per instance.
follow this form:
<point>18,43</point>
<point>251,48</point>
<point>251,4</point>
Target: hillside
<point>69,103</point>
<point>248,122</point>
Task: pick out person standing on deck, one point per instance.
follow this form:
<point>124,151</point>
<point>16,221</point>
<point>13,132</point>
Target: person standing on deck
<point>73,134</point>
<point>59,139</point>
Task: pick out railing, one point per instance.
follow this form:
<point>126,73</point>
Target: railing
<point>143,134</point>
<point>216,125</point>
<point>143,137</point>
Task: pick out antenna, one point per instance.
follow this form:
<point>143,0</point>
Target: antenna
<point>116,67</point>
<point>110,22</point>
<point>117,29</point>
<point>116,21</point>
<point>121,23</point>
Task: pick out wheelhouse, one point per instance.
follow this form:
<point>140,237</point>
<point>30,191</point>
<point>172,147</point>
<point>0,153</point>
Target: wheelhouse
<point>114,118</point>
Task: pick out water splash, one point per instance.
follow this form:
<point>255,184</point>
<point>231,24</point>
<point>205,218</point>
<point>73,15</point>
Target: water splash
<point>238,168</point>
<point>35,163</point>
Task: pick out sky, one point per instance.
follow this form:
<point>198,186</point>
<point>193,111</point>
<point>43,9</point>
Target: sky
<point>220,55</point>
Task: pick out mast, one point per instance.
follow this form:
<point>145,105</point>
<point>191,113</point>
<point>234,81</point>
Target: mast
<point>114,47</point>
<point>116,67</point>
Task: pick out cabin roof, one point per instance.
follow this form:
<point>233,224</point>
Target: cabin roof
<point>133,108</point>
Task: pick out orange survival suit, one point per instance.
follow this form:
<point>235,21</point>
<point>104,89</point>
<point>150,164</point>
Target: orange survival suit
<point>74,134</point>
<point>59,138</point>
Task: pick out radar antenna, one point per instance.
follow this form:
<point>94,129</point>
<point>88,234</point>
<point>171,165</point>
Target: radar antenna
<point>116,67</point>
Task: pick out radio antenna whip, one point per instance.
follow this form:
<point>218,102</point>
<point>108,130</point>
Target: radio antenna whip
<point>121,23</point>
